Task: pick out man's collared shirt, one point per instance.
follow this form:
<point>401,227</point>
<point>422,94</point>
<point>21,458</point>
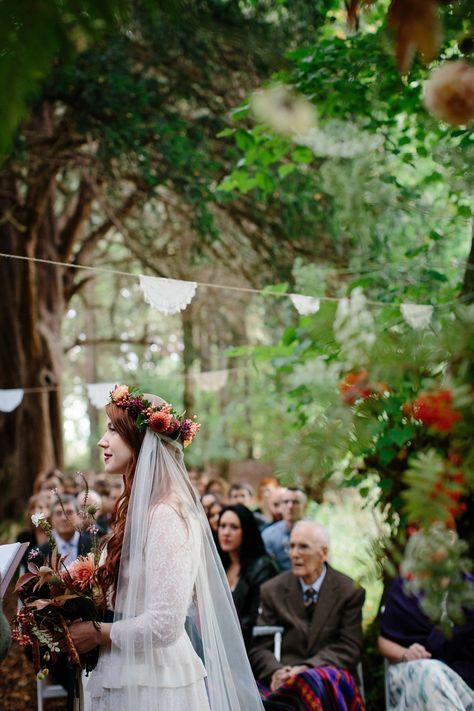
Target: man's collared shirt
<point>69,549</point>
<point>317,583</point>
<point>276,539</point>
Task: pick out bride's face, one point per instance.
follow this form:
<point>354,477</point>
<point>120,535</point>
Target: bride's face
<point>117,453</point>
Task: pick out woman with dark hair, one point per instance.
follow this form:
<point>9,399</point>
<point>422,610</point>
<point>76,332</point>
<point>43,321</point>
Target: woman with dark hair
<point>245,562</point>
<point>172,640</point>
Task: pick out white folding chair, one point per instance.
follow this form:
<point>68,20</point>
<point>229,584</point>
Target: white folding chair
<point>360,679</point>
<point>48,691</point>
<point>267,630</point>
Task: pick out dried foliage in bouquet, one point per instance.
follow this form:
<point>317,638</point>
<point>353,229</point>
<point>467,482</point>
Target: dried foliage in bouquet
<point>54,594</point>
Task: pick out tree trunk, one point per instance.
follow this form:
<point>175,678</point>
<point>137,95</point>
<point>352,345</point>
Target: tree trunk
<point>91,375</point>
<point>30,323</point>
<point>189,355</point>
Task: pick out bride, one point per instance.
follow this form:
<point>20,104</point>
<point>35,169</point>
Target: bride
<point>174,640</point>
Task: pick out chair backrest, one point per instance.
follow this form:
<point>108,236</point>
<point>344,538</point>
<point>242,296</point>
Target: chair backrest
<point>48,691</point>
<point>360,680</point>
<point>267,630</point>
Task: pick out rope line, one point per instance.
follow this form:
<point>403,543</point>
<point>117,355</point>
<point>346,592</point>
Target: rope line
<point>205,285</point>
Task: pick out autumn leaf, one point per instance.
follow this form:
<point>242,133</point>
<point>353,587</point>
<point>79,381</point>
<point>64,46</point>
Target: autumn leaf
<point>417,29</point>
<point>23,579</point>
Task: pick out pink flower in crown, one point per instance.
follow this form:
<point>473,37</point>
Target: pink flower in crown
<point>119,394</point>
<point>174,425</point>
<point>160,420</point>
<point>82,571</point>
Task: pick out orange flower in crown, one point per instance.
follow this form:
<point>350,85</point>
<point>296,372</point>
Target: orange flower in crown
<point>161,419</point>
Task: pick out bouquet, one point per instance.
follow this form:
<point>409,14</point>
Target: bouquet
<point>53,595</point>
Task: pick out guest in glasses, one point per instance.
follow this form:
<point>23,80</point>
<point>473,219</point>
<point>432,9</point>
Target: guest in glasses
<point>277,536</point>
<point>320,610</point>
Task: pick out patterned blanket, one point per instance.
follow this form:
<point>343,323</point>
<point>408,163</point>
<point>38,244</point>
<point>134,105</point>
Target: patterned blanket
<point>318,689</point>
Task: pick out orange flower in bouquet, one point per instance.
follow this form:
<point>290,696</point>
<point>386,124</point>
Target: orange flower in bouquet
<point>53,595</point>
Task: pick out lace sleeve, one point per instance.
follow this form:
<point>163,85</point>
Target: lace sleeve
<point>168,583</point>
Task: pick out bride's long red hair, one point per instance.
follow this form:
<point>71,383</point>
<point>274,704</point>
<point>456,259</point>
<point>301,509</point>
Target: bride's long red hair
<point>131,435</point>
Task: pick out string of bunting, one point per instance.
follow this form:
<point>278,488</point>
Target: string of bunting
<point>169,296</point>
<point>98,393</point>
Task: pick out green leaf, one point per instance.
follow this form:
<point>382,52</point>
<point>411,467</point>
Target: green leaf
<point>302,155</point>
<point>227,185</point>
<point>281,288</point>
<point>286,169</point>
<point>240,112</point>
<point>244,139</point>
<point>464,211</point>
<point>265,182</point>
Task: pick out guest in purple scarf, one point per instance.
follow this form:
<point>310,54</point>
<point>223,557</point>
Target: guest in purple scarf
<point>408,635</point>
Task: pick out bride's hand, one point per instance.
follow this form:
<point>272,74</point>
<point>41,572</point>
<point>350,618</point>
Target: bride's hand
<point>85,636</point>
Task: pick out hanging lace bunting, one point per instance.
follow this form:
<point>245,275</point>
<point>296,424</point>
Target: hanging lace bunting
<point>98,393</point>
<point>418,316</point>
<point>211,381</point>
<point>167,295</point>
<point>10,399</point>
<point>305,305</point>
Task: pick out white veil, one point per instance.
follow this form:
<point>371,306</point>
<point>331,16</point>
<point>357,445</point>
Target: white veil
<point>154,605</point>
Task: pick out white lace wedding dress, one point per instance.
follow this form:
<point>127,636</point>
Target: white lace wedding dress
<point>171,677</point>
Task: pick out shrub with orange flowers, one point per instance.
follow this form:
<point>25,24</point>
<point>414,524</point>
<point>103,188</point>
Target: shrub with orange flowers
<point>434,409</point>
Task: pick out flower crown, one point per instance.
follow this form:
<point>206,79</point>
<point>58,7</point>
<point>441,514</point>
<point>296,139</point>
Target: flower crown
<point>161,419</point>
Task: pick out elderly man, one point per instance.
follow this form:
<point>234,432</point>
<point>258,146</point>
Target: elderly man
<point>321,612</point>
<point>277,536</point>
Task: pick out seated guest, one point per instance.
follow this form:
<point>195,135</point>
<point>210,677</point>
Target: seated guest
<point>48,480</point>
<point>217,486</point>
<point>110,492</point>
<point>428,670</point>
<point>265,489</point>
<point>90,503</point>
<point>245,561</point>
<point>34,536</point>
<point>241,492</point>
<point>215,510</point>
<point>207,500</point>
<point>320,610</point>
<point>65,522</point>
<point>275,501</point>
<point>71,484</point>
<point>277,536</point>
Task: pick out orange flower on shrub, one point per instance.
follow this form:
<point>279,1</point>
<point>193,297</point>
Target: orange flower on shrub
<point>434,410</point>
<point>355,386</point>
